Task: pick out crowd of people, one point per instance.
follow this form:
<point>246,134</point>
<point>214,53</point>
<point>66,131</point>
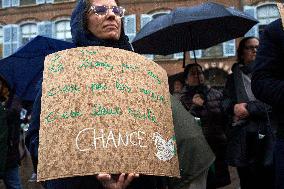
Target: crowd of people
<point>240,126</point>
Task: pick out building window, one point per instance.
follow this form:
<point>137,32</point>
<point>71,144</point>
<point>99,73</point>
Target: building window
<point>1,42</point>
<point>130,26</point>
<point>45,28</point>
<point>28,31</point>
<point>27,2</point>
<point>63,30</point>
<point>11,39</point>
<point>266,14</point>
<point>58,1</point>
<point>225,49</point>
<point>43,1</point>
<point>10,3</point>
<point>215,51</point>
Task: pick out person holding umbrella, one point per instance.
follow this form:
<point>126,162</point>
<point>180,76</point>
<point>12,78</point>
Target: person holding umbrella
<point>99,23</point>
<point>204,102</point>
<point>250,144</point>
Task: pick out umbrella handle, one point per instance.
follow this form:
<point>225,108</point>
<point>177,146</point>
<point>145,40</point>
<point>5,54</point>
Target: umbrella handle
<point>194,57</point>
<point>183,63</point>
<point>190,35</point>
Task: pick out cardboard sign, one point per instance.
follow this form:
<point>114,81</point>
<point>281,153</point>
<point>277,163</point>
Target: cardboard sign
<point>105,110</point>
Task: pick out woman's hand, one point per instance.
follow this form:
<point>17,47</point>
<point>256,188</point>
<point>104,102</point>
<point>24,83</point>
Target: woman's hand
<point>109,182</point>
<point>241,111</point>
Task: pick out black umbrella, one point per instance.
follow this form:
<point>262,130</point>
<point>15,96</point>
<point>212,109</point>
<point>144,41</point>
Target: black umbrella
<point>23,69</point>
<point>191,28</point>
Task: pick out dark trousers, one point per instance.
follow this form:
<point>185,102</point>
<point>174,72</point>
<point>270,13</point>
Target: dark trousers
<point>12,178</point>
<point>256,176</point>
<point>279,164</point>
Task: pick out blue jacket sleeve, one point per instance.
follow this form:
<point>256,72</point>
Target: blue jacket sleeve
<point>268,77</point>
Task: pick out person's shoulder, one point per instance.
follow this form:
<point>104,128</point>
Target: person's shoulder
<point>275,26</point>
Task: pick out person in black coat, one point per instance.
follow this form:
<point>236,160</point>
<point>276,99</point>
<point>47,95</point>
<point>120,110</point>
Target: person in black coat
<point>248,128</point>
<point>268,86</point>
<point>9,137</point>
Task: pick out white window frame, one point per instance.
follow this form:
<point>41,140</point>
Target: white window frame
<point>129,30</point>
<point>10,3</point>
<point>267,20</point>
<point>45,28</point>
<point>198,54</point>
<point>6,3</point>
<point>55,28</point>
<point>11,42</point>
<point>229,48</point>
<point>38,2</point>
<point>24,24</point>
<point>251,10</point>
<point>178,55</point>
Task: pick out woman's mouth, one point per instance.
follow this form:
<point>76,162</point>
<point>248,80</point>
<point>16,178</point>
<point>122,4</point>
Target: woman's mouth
<point>110,27</point>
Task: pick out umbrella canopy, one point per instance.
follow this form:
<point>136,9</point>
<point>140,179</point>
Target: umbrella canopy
<point>191,28</point>
<point>23,69</point>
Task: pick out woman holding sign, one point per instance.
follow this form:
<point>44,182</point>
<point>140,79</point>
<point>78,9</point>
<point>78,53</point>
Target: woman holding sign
<point>95,23</point>
<point>98,23</point>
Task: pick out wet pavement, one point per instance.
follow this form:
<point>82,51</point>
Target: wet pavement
<point>26,172</point>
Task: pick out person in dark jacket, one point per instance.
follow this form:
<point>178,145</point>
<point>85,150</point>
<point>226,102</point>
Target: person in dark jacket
<point>204,102</point>
<point>249,131</point>
<point>268,86</point>
<point>9,139</point>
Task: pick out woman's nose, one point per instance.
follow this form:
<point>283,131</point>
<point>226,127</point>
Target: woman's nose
<point>110,13</point>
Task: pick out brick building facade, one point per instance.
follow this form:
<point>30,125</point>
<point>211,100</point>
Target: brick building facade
<point>20,20</point>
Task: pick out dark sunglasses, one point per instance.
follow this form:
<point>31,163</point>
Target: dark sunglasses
<point>103,10</point>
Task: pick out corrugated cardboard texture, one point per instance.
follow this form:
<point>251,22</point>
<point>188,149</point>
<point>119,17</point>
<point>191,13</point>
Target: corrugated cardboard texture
<point>105,110</point>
